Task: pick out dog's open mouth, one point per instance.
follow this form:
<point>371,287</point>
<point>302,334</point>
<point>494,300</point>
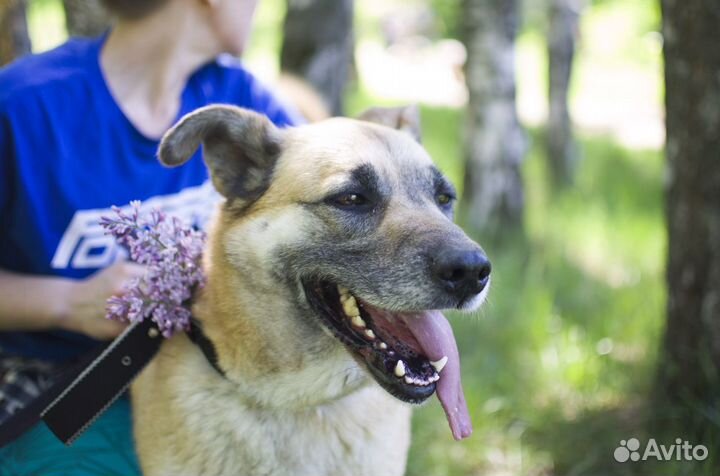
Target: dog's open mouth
<point>410,354</point>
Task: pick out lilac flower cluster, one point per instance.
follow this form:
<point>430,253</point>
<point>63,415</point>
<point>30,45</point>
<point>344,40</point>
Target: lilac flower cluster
<point>171,253</point>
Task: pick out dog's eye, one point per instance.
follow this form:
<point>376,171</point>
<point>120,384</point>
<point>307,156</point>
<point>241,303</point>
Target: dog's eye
<point>350,200</point>
<point>444,199</point>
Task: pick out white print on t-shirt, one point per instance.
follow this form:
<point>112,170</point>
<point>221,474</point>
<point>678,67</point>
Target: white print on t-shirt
<point>85,244</point>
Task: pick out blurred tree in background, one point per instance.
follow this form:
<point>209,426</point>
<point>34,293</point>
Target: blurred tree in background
<point>494,140</point>
<point>14,38</point>
<point>562,33</point>
<point>318,46</point>
<point>85,17</point>
<point>690,369</point>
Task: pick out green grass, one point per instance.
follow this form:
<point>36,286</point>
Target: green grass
<point>568,339</point>
<point>557,365</point>
<point>46,24</point>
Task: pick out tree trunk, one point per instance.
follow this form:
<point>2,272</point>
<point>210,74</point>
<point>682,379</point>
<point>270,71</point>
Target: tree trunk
<point>318,46</point>
<point>690,369</point>
<point>14,38</point>
<point>495,141</point>
<point>561,149</point>
<point>85,17</point>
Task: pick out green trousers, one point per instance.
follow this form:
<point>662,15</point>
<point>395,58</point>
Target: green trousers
<point>105,449</point>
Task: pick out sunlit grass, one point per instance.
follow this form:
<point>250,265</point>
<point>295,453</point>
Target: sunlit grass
<point>573,320</point>
<point>46,24</point>
<point>263,52</point>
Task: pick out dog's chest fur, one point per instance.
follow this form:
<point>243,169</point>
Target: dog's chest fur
<point>190,421</point>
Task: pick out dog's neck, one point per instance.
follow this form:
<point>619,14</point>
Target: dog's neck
<point>236,316</point>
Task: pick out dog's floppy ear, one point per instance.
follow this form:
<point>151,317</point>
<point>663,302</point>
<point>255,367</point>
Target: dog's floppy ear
<point>240,148</point>
<point>405,118</point>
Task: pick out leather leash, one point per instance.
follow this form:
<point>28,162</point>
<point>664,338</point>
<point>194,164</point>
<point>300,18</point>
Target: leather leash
<point>83,392</point>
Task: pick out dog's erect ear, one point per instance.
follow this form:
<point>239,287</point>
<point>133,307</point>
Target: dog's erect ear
<point>240,148</point>
<point>405,118</point>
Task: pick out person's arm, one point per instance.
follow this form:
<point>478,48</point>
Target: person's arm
<point>45,303</point>
<point>33,303</point>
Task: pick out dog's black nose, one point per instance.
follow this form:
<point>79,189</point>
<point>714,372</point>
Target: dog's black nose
<point>462,273</point>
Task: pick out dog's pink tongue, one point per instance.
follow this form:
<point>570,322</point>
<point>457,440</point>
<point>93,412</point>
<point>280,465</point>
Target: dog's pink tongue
<point>434,334</point>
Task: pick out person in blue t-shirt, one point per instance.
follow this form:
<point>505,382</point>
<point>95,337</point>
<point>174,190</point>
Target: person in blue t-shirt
<point>79,129</point>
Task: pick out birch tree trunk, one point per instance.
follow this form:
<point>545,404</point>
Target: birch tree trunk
<point>318,46</point>
<point>561,148</point>
<point>14,37</point>
<point>495,141</point>
<point>690,369</point>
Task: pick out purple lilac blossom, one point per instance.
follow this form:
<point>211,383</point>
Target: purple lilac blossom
<point>171,253</point>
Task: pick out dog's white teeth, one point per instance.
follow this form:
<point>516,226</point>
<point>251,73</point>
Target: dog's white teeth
<point>350,307</point>
<point>382,345</point>
<point>419,380</point>
<point>343,290</point>
<point>370,334</point>
<point>358,321</point>
<point>400,370</point>
<point>439,364</point>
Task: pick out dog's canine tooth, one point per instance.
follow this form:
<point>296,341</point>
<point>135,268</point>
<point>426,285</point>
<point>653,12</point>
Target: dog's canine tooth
<point>342,290</point>
<point>400,369</point>
<point>358,321</point>
<point>382,345</point>
<point>369,333</point>
<point>350,307</point>
<point>439,364</point>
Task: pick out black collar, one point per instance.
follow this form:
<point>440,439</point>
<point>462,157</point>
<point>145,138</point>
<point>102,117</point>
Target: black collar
<point>198,337</point>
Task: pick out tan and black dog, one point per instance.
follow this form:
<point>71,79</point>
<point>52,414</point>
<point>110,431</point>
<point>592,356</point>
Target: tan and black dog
<point>329,257</point>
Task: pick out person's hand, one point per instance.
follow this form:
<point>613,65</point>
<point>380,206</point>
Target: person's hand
<point>86,301</point>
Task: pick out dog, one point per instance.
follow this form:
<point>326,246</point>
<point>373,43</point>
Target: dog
<point>326,264</point>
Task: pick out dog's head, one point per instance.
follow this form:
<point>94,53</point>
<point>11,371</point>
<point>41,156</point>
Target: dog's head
<point>341,228</point>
